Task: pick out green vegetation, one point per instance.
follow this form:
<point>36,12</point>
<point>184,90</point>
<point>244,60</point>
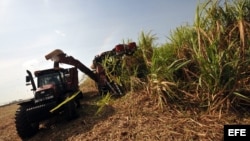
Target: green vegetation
<point>203,65</point>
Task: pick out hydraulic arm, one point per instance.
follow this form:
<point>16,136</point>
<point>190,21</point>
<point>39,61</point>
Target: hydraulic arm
<point>58,56</point>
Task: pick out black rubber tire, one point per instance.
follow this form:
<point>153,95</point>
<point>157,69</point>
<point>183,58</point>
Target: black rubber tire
<point>25,129</point>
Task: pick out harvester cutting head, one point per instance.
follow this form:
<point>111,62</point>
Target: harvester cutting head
<point>55,55</point>
<point>127,49</point>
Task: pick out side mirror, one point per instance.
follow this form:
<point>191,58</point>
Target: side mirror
<point>28,79</point>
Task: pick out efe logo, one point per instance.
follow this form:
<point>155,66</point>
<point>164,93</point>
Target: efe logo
<point>236,132</point>
<point>241,132</point>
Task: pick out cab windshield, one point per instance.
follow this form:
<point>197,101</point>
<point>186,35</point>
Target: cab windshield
<point>52,78</point>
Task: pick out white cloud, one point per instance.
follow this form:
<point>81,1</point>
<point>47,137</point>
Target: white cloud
<point>60,33</point>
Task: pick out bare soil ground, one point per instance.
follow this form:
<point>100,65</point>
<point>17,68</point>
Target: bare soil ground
<point>133,117</point>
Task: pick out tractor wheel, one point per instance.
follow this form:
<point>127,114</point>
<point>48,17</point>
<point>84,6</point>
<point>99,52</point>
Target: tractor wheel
<point>25,129</point>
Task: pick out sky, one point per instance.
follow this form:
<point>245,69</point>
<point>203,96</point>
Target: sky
<point>30,29</point>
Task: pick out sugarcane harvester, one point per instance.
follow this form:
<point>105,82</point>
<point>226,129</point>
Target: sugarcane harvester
<point>56,92</point>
